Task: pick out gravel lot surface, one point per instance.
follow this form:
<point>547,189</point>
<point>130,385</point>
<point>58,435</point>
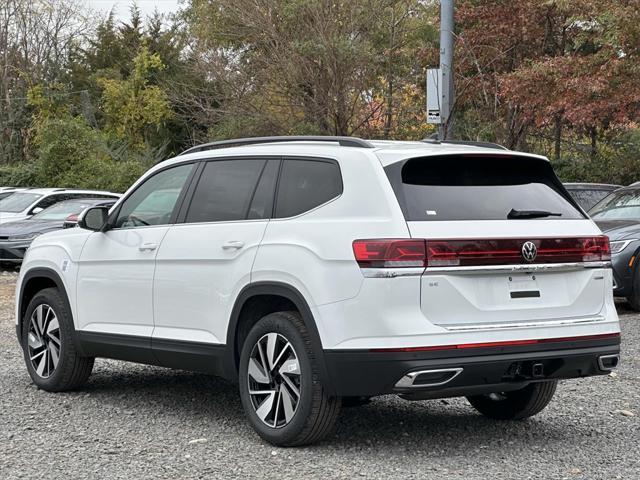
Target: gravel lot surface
<point>135,422</point>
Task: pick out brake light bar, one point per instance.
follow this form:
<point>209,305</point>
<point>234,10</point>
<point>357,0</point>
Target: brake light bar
<point>510,343</point>
<point>400,253</point>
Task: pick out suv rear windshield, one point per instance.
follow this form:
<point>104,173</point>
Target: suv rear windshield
<point>479,187</point>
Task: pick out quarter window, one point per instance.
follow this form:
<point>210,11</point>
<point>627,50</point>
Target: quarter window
<point>225,190</point>
<point>306,184</point>
<point>153,202</point>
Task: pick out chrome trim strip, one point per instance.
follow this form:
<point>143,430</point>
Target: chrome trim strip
<point>508,326</point>
<point>407,380</point>
<point>534,267</point>
<point>392,272</point>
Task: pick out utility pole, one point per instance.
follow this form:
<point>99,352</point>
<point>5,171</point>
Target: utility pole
<point>446,65</point>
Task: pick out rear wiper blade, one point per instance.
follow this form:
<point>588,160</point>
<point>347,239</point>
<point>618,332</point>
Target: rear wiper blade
<point>531,214</point>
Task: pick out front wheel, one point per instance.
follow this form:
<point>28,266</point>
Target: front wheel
<point>280,387</point>
<point>517,404</point>
<point>47,342</point>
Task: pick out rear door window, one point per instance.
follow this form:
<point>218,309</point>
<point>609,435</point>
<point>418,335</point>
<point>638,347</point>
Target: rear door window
<point>46,202</point>
<point>478,187</point>
<point>305,184</point>
<point>225,190</point>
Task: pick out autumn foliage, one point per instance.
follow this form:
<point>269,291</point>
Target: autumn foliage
<point>556,77</point>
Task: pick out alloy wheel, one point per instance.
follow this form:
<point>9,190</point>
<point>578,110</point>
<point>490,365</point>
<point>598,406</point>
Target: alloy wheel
<point>274,380</point>
<point>44,340</point>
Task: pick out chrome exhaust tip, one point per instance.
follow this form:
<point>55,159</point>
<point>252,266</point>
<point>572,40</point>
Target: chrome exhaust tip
<point>428,378</point>
<point>606,363</point>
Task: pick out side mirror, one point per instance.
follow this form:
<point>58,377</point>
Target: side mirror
<point>94,218</point>
<point>36,210</point>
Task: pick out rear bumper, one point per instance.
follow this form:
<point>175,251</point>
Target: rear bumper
<point>477,370</point>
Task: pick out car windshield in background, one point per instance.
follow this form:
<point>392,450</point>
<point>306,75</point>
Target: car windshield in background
<point>620,205</point>
<point>478,187</point>
<point>62,210</point>
<point>18,202</point>
<point>588,198</point>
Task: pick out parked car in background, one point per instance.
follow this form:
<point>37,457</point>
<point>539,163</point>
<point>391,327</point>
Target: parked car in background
<point>7,191</point>
<point>588,194</point>
<point>15,237</point>
<point>28,202</point>
<point>618,216</point>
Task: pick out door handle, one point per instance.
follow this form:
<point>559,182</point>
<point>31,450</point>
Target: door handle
<point>148,247</point>
<point>233,244</point>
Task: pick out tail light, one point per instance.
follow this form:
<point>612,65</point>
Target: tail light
<point>389,253</point>
<point>72,218</point>
<point>394,253</point>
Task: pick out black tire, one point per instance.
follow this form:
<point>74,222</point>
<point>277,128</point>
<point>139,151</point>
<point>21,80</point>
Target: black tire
<point>634,298</point>
<point>71,370</point>
<point>315,412</point>
<point>517,404</point>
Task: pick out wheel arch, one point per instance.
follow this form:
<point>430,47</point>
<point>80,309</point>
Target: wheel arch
<point>34,281</point>
<point>288,293</point>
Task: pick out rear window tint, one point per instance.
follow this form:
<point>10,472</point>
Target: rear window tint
<point>225,190</point>
<point>306,184</point>
<point>478,187</point>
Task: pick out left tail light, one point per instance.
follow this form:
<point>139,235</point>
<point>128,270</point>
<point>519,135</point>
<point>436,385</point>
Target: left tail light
<point>390,253</point>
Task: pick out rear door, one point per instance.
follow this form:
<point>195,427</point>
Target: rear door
<point>206,260</point>
<point>505,242</point>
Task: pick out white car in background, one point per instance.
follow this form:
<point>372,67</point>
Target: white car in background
<point>7,191</point>
<point>27,202</point>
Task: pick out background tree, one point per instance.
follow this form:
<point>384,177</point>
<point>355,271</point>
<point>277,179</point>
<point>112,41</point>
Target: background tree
<point>95,102</point>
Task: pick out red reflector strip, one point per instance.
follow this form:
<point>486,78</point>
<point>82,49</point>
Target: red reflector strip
<point>510,343</point>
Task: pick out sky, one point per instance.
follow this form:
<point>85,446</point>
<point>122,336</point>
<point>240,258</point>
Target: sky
<point>121,9</point>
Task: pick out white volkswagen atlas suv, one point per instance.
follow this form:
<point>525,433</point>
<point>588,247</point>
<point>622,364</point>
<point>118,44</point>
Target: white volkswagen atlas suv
<point>314,270</point>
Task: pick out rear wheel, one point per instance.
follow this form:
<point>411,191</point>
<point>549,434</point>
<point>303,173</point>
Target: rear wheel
<point>517,404</point>
<point>280,386</point>
<point>47,341</point>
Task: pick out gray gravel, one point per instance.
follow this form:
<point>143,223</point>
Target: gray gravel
<point>135,422</point>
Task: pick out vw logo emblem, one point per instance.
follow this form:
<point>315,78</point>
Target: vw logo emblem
<point>529,251</point>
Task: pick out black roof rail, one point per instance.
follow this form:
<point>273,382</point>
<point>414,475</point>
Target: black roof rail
<point>495,146</point>
<point>239,142</point>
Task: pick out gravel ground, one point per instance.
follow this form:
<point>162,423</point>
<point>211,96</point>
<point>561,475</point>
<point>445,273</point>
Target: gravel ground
<point>135,422</point>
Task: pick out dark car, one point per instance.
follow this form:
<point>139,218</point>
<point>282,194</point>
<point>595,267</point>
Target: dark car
<point>15,237</point>
<point>588,194</point>
<point>618,216</point>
